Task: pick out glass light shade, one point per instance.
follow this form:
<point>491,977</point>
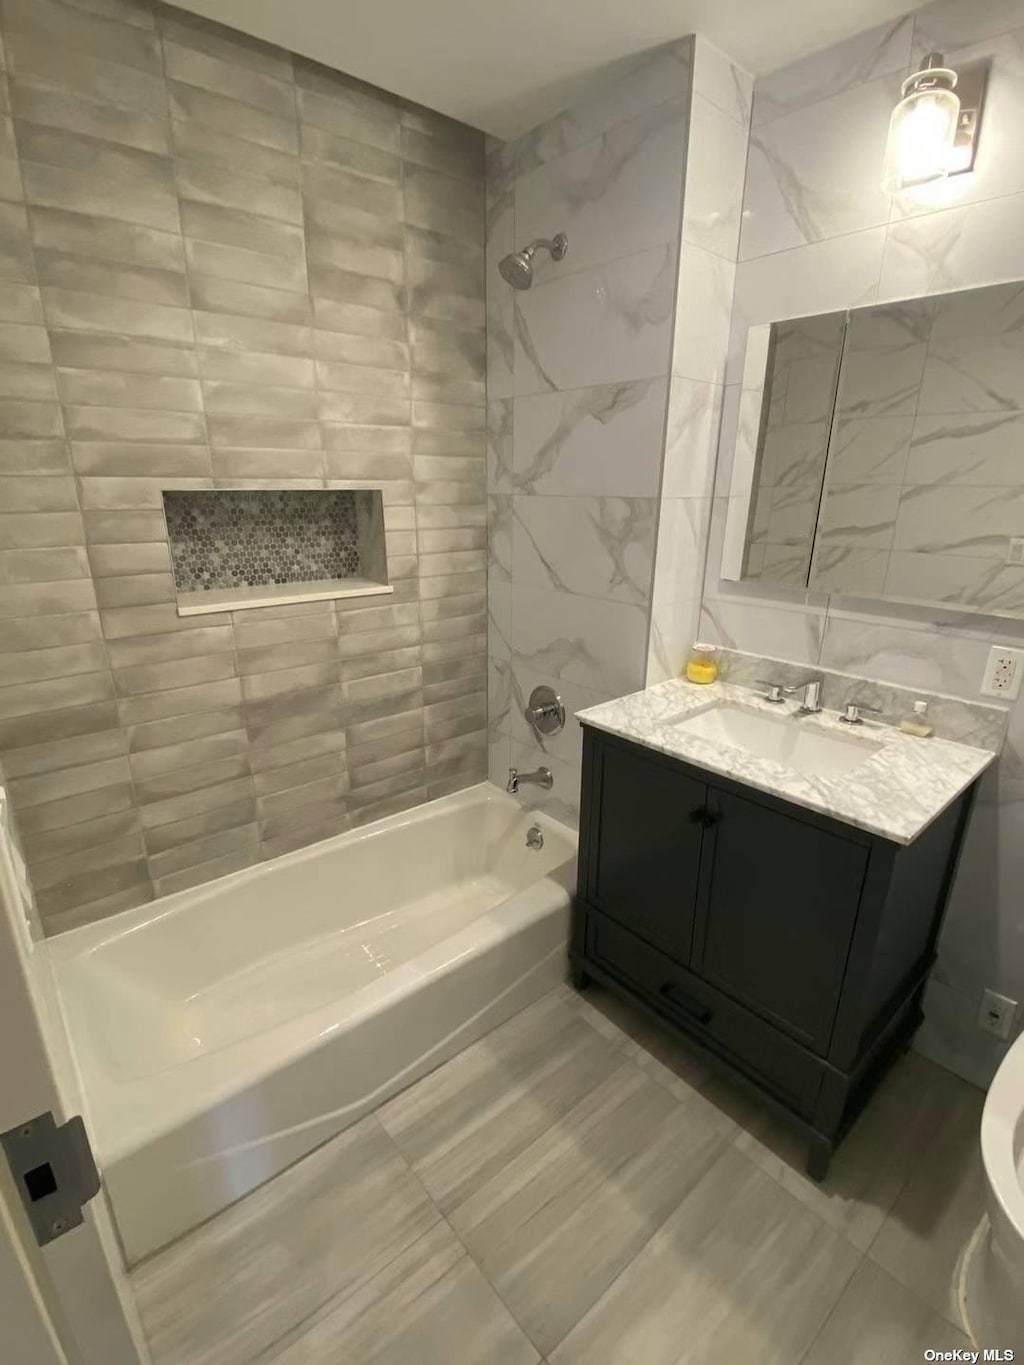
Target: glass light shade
<point>922,131</point>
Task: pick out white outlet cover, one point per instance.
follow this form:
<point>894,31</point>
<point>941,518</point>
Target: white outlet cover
<point>997,1013</point>
<point>1004,672</point>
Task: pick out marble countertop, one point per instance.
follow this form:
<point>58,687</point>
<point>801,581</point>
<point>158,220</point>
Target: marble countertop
<point>896,792</point>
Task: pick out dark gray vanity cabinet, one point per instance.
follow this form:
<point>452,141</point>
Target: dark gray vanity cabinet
<point>789,947</point>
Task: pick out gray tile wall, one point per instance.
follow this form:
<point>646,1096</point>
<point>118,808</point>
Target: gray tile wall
<point>221,266</point>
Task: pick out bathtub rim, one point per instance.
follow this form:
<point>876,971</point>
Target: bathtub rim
<point>112,1106</point>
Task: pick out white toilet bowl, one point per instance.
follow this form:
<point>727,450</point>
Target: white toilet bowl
<point>993,1281</point>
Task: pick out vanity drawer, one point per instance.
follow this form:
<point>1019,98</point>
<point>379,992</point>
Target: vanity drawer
<point>763,1053</point>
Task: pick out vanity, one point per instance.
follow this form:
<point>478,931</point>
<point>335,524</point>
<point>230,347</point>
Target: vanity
<point>769,885</point>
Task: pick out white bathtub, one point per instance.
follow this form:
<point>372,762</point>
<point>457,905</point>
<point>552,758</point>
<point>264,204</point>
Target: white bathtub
<point>222,1033</point>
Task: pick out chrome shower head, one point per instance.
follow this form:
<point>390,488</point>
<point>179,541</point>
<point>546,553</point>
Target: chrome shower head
<point>517,267</point>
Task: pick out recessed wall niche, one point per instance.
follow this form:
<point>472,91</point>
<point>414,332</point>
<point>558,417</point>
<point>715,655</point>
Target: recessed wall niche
<point>254,547</point>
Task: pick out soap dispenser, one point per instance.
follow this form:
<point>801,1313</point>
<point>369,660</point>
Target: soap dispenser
<point>917,723</point>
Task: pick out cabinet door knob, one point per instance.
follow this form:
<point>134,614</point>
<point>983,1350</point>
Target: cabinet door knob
<point>703,817</point>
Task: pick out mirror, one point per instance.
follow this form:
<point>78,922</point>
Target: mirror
<point>880,453</point>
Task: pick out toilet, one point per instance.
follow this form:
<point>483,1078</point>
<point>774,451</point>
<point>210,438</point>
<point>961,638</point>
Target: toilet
<point>992,1285</point>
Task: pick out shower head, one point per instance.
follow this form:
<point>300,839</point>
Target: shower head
<point>517,267</point>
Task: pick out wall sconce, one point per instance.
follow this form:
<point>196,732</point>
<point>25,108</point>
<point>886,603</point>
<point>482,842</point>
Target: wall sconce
<point>933,131</point>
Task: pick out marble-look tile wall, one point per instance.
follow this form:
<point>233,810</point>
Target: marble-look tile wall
<point>818,234</point>
<point>225,267</point>
<point>712,200</point>
<point>578,372</point>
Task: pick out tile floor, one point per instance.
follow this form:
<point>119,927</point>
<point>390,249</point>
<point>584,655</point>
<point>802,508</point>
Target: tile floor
<point>578,1189</point>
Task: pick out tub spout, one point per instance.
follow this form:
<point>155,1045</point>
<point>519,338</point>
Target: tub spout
<point>541,778</point>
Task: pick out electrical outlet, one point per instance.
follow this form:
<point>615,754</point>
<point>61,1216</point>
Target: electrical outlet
<point>1015,550</point>
<point>997,1014</point>
<point>1003,673</point>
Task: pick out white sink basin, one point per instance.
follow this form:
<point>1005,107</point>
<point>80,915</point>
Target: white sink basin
<point>783,739</point>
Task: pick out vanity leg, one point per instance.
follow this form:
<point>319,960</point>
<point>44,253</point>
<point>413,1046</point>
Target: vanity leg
<point>819,1158</point>
<point>578,978</point>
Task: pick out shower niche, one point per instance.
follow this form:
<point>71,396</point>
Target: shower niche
<point>233,549</point>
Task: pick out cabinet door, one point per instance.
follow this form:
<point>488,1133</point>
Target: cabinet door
<point>648,842</point>
<point>778,903</point>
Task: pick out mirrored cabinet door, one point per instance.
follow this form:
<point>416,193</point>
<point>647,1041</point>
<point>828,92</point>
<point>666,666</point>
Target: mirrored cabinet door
<point>889,459</point>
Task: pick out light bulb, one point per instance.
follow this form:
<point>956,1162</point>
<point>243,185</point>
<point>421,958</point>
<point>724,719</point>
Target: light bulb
<point>922,130</point>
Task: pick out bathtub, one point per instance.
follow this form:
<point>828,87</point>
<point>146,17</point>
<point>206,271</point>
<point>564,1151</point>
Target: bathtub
<point>224,1032</point>
<point>992,1282</point>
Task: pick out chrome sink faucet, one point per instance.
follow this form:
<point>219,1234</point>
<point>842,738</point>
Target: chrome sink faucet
<point>810,705</point>
<point>540,778</point>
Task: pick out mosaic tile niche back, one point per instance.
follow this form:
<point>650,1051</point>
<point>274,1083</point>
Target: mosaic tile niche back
<point>255,537</point>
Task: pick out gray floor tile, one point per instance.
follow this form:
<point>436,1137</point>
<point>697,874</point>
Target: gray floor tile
<point>239,1284</point>
<point>876,1322</point>
<point>922,1239</point>
<point>741,1271</point>
<point>464,1123</point>
<point>430,1305</point>
<point>873,1162</point>
<point>555,1227</point>
<point>667,1058</point>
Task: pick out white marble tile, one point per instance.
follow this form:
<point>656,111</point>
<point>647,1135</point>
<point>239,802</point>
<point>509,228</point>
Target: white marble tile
<point>737,1239</point>
<point>849,569</point>
<point>499,617</point>
<point>500,445</point>
<point>673,631</point>
<point>600,547</point>
<point>604,441</point>
<point>599,326</point>
<point>840,272</point>
<point>862,58</point>
<point>682,540</point>
<point>860,514</point>
<point>613,196</point>
<point>721,81</point>
<point>703,310</point>
<point>588,640</point>
<point>871,450</point>
<point>715,171</point>
<point>691,438</point>
<point>500,299</point>
<point>974,521</point>
<point>912,653</point>
<point>946,25</point>
<point>762,627</point>
<point>662,74</point>
<point>954,248</point>
<point>974,583</point>
<point>881,382</point>
<point>499,536</point>
<point>815,174</point>
<point>973,374</point>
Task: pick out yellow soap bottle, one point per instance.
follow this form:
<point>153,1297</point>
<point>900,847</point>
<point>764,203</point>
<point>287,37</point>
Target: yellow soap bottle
<point>702,665</point>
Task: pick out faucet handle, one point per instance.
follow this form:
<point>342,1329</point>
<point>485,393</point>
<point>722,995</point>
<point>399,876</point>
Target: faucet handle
<point>776,692</point>
<point>852,712</point>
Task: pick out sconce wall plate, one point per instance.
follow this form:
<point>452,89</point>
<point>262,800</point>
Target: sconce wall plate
<point>972,81</point>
